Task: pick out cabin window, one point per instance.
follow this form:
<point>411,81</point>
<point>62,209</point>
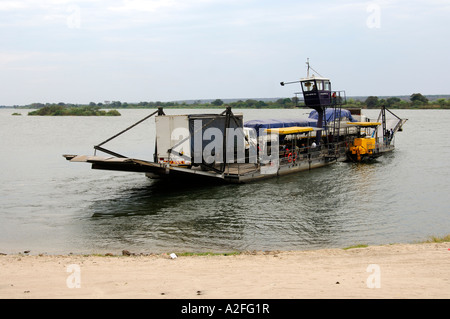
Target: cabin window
<point>307,86</point>
<point>319,85</point>
<point>327,86</point>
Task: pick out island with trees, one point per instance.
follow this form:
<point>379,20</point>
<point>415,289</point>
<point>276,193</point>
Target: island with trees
<point>64,110</point>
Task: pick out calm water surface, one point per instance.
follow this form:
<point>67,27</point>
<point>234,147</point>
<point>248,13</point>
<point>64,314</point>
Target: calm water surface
<point>49,205</point>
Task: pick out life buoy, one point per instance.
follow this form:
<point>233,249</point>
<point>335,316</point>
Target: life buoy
<point>289,157</point>
<point>292,157</point>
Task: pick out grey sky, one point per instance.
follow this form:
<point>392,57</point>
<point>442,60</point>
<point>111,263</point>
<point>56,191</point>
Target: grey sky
<point>136,50</point>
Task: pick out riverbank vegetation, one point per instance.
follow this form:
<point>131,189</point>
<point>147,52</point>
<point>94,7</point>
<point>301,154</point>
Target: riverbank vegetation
<point>438,239</point>
<point>414,101</point>
<point>63,110</point>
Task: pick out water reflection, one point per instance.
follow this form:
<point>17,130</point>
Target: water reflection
<point>154,197</point>
<point>308,209</point>
<point>161,214</point>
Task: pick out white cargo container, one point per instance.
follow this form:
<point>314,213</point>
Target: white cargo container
<point>172,133</point>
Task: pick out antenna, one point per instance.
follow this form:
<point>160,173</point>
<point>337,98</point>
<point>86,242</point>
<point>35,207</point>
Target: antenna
<point>307,63</point>
<point>309,67</point>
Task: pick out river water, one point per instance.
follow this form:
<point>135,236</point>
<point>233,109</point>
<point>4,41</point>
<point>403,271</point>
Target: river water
<point>49,205</point>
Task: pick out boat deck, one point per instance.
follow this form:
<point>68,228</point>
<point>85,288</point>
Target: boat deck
<point>241,169</point>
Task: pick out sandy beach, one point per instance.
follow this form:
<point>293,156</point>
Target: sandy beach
<point>391,271</point>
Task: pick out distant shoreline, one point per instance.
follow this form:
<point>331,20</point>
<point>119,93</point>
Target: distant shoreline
<point>239,108</point>
<point>415,101</point>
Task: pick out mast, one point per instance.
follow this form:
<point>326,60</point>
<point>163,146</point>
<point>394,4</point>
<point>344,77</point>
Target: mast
<point>307,70</point>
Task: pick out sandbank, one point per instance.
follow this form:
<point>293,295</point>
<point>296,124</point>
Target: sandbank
<point>381,272</point>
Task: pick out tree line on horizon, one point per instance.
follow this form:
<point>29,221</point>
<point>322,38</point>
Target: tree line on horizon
<point>416,100</point>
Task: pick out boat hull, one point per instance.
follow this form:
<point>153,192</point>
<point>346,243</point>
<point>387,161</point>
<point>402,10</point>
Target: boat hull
<point>232,173</point>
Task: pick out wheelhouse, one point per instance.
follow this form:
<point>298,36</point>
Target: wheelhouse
<point>316,91</point>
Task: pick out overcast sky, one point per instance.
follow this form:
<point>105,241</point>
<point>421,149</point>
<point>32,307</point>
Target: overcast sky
<point>136,50</point>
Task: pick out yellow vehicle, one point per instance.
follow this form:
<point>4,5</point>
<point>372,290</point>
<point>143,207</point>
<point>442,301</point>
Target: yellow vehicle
<point>362,147</point>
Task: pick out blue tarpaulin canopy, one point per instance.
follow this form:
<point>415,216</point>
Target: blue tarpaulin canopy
<point>310,121</point>
<point>331,114</point>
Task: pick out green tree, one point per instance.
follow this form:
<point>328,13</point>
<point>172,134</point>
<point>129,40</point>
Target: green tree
<point>260,104</point>
<point>391,101</point>
<point>418,99</point>
<point>37,105</point>
<point>251,103</point>
<point>217,102</point>
<point>372,101</point>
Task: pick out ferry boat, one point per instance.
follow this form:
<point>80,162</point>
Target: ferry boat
<point>224,148</point>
